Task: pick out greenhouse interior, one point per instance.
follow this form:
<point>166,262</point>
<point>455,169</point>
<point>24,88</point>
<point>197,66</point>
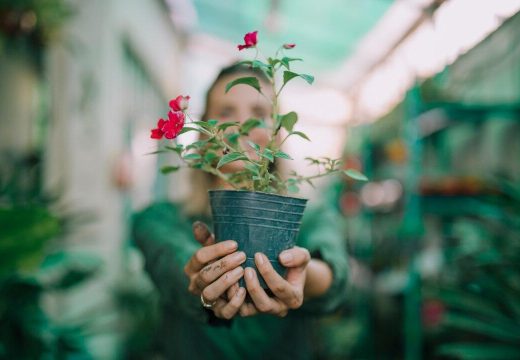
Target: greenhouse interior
<point>405,165</point>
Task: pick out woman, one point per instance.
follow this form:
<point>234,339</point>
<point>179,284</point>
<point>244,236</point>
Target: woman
<point>205,313</point>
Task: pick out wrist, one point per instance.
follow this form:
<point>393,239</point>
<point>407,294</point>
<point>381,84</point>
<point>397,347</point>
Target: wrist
<point>318,278</point>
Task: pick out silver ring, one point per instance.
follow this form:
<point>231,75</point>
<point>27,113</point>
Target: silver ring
<point>205,304</point>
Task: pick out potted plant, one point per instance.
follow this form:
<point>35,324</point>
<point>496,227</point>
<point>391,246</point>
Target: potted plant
<point>256,211</point>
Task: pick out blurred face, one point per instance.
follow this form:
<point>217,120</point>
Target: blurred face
<point>241,103</point>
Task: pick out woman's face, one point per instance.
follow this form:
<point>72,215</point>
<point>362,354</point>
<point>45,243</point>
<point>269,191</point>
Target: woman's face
<point>241,103</point>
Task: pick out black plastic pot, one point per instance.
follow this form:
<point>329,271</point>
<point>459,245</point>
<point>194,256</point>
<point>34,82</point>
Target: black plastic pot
<point>259,222</point>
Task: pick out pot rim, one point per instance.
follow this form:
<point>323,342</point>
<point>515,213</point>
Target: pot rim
<point>258,192</point>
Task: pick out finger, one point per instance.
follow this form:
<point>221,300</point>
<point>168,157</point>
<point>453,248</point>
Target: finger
<point>214,290</point>
<point>247,309</point>
<point>291,296</point>
<point>208,253</point>
<point>230,309</point>
<point>297,256</point>
<point>202,233</point>
<point>213,271</point>
<point>258,295</point>
<point>232,291</point>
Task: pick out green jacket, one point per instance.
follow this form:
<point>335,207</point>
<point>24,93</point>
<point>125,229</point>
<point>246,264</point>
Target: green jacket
<point>188,331</point>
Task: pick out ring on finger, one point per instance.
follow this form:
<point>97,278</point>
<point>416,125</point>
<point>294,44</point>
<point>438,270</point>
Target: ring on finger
<point>205,304</point>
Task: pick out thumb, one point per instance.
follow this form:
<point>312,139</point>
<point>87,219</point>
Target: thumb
<point>202,234</point>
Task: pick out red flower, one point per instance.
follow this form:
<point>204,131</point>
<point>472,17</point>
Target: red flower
<point>250,41</point>
<point>174,125</point>
<point>289,46</point>
<point>158,133</point>
<point>180,103</point>
<point>433,312</point>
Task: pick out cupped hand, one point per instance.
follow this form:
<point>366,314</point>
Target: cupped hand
<point>214,270</point>
<point>288,293</point>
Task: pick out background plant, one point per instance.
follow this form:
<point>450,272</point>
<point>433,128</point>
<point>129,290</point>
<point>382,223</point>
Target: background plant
<point>480,284</point>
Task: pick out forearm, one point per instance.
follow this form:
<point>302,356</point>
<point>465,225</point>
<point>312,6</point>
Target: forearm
<point>318,279</point>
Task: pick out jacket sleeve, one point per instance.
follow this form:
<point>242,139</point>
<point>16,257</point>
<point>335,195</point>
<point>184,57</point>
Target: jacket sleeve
<point>323,234</point>
<point>165,239</point>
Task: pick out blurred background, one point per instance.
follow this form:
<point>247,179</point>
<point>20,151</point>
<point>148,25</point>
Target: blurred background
<point>423,96</point>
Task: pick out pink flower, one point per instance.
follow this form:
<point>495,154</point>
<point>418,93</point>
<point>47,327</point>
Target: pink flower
<point>180,103</point>
<point>158,133</point>
<point>433,312</point>
<point>250,40</point>
<point>289,46</point>
<point>174,125</point>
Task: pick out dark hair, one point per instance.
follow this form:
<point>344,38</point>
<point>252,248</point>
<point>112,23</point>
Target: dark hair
<point>233,69</point>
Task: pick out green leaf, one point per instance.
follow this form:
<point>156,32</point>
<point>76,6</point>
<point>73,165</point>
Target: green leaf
<point>248,80</point>
<point>192,156</point>
<point>474,351</point>
<point>293,188</point>
<point>178,148</point>
<point>252,167</point>
<point>63,270</point>
<point>288,120</point>
<point>205,124</point>
<point>212,122</point>
<point>186,129</point>
<point>499,331</point>
<point>268,154</point>
<point>300,134</point>
<point>228,124</point>
<point>210,156</point>
<point>286,61</point>
<point>313,161</point>
<point>197,144</point>
<point>266,69</point>
<point>356,175</point>
<point>233,138</point>
<point>156,152</point>
<point>253,145</point>
<point>257,64</point>
<point>169,169</point>
<point>282,155</point>
<point>230,158</point>
<point>249,125</point>
<point>272,61</point>
<point>289,75</point>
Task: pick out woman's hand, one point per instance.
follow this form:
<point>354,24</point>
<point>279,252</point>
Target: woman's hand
<point>288,293</point>
<point>213,270</point>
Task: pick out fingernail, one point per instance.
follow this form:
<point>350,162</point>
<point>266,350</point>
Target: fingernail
<point>259,259</point>
<point>286,257</point>
<point>239,256</point>
<point>237,271</point>
<point>241,292</point>
<point>232,245</point>
<point>249,273</point>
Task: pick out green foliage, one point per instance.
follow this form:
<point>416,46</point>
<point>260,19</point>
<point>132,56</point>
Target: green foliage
<point>480,286</point>
<point>288,120</point>
<point>289,75</point>
<point>472,351</point>
<point>28,228</point>
<point>31,25</point>
<point>25,231</point>
<point>248,80</point>
<point>356,175</point>
<point>226,159</point>
<point>221,143</point>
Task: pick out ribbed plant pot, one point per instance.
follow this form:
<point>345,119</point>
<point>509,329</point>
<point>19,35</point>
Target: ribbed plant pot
<point>259,222</point>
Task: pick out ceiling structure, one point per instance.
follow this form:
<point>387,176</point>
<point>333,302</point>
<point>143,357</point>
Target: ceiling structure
<point>326,32</point>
